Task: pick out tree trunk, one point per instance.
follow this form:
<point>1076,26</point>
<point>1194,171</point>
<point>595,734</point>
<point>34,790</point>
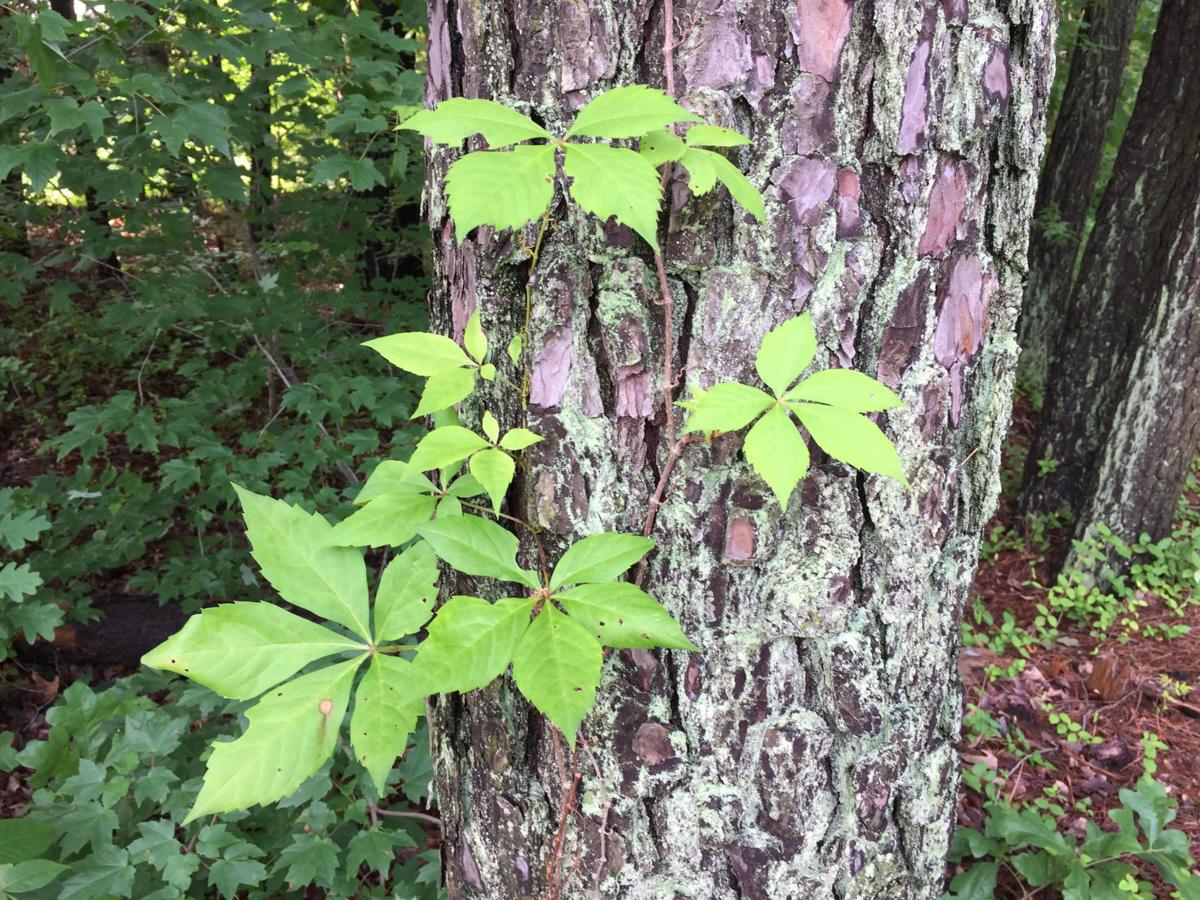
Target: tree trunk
<point>1133,254</point>
<point>808,751</point>
<point>1069,174</point>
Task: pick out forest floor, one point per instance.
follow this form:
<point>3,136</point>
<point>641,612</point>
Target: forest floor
<point>1119,686</point>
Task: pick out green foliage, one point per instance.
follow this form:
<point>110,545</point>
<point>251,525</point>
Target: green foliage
<point>118,773</point>
<point>829,404</point>
<point>21,611</point>
<point>509,188</point>
<point>1028,844</point>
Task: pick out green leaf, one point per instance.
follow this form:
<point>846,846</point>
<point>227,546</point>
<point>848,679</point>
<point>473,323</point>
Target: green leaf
<point>23,839</point>
<point>240,650</point>
<point>227,875</point>
<point>601,557</point>
<point>30,875</point>
<point>620,614</point>
<point>385,712</point>
<point>850,438</point>
<point>494,469</point>
<point>296,554</point>
<point>474,339</point>
<point>41,164</point>
<point>404,600</point>
<point>453,121</point>
<point>785,352</point>
<point>615,182</point>
<point>1153,805</point>
<point>491,428</point>
<point>387,521</point>
<point>470,642</point>
<point>475,546</point>
<point>628,112</point>
<point>419,352</point>
<point>159,847</point>
<point>702,174</point>
<point>392,476</point>
<point>501,188</point>
<point>846,389</point>
<point>445,446</point>
<point>777,452</point>
<point>18,582</point>
<point>977,883</point>
<point>660,147</point>
<point>106,872</point>
<point>260,767</point>
<point>519,439</point>
<point>726,407</point>
<point>310,860</point>
<point>740,188</point>
<point>557,667</point>
<point>714,136</point>
<point>376,849</point>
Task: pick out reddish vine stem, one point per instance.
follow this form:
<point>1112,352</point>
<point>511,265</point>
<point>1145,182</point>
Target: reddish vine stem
<point>568,787</point>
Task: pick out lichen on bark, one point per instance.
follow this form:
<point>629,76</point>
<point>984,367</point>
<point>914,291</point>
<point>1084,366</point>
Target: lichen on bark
<point>808,750</point>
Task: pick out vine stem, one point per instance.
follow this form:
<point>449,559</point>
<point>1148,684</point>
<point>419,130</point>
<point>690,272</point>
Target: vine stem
<point>527,371</point>
<point>568,786</point>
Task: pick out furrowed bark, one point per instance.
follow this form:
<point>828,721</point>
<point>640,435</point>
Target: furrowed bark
<point>1069,174</point>
<point>808,751</point>
<point>1129,261</point>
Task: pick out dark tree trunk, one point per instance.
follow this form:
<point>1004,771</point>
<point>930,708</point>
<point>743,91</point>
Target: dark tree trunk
<point>808,751</point>
<point>1135,252</point>
<point>1069,174</point>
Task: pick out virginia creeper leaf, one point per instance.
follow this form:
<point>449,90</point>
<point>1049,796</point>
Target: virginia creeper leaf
<point>404,599</point>
<point>557,667</point>
<point>777,452</point>
<point>453,121</point>
<point>493,469</point>
<point>620,614</point>
<point>628,112</point>
<point>476,546</point>
<point>491,428</point>
<point>726,407</point>
<point>295,552</point>
<point>714,136</point>
<point>385,712</point>
<point>702,174</point>
<point>503,188</point>
<point>470,642</point>
<point>615,182</point>
<point>785,352</point>
<point>661,146</point>
<point>443,389</point>
<point>241,649</point>
<point>262,766</point>
<point>846,389</point>
<point>850,438</point>
<point>601,557</point>
<point>419,352</point>
<point>392,476</point>
<point>445,446</point>
<point>387,521</point>
<point>474,339</point>
<point>519,439</point>
<point>740,188</point>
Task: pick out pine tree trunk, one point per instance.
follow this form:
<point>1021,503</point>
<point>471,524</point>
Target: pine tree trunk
<point>1069,174</point>
<point>1133,254</point>
<point>808,751</point>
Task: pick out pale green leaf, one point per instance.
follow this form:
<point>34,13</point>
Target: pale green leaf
<point>465,485</point>
<point>519,439</point>
<point>295,552</point>
<point>503,189</point>
<point>620,614</point>
<point>453,121</point>
<point>474,339</point>
<point>513,350</point>
<point>702,174</point>
<point>241,649</point>
<point>30,875</point>
<point>41,163</point>
<point>445,446</point>
<point>476,546</point>
<point>262,766</point>
<point>470,642</point>
<point>407,588</point>
<point>419,352</point>
<point>628,112</point>
<point>443,389</point>
<point>491,428</point>
<point>846,389</point>
<point>386,708</point>
<point>739,186</point>
<point>22,839</point>
<point>390,477</point>
<point>557,667</point>
<point>660,147</point>
<point>726,407</point>
<point>615,182</point>
<point>387,521</point>
<point>601,557</point>
<point>785,352</point>
<point>850,438</point>
<point>777,452</point>
<point>714,136</point>
<point>487,372</point>
<point>494,469</point>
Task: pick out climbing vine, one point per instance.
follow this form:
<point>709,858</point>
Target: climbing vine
<point>446,502</point>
